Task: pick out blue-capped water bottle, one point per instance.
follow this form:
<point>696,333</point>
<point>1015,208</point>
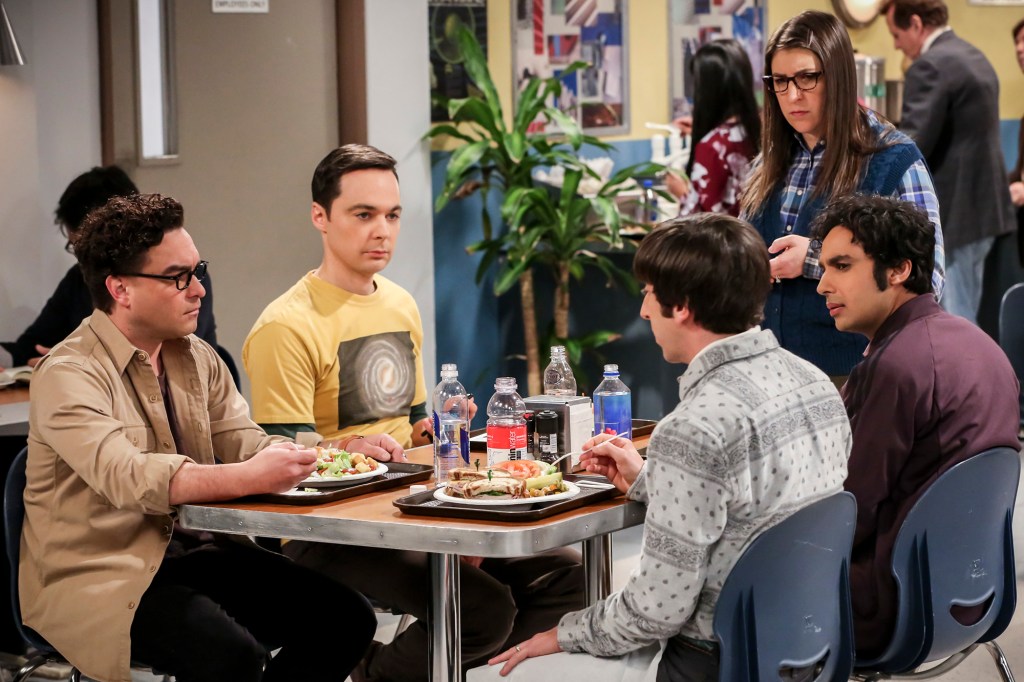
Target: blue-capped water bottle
<point>613,411</point>
<point>451,424</point>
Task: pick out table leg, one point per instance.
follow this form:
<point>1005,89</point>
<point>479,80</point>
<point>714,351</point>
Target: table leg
<point>445,628</point>
<point>597,567</point>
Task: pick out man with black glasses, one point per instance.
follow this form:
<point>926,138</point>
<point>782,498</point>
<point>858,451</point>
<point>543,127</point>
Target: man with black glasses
<point>129,417</point>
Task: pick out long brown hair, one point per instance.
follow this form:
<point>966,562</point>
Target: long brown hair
<point>848,136</point>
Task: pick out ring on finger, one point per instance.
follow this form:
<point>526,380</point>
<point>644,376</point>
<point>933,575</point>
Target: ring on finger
<point>518,648</point>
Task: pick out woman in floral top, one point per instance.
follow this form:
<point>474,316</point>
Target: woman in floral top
<point>728,129</point>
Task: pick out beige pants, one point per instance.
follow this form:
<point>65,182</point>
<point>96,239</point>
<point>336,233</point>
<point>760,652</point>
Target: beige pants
<point>637,666</point>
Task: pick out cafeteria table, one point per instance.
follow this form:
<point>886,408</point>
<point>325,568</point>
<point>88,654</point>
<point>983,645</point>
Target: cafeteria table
<point>14,411</point>
<point>372,521</point>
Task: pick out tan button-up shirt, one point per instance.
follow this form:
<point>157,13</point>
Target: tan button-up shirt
<point>100,460</point>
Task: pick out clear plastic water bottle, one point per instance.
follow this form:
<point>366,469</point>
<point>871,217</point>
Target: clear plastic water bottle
<point>613,412</point>
<point>450,404</point>
<point>648,205</point>
<point>558,378</point>
<point>506,427</point>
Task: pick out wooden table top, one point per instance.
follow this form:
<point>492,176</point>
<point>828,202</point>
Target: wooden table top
<point>14,394</point>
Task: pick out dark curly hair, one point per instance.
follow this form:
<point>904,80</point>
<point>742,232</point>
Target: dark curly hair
<point>89,191</point>
<point>714,264</point>
<point>326,184</point>
<point>890,231</point>
<point>114,239</point>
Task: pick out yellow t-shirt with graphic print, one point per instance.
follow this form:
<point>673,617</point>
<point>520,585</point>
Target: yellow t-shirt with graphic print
<point>347,363</point>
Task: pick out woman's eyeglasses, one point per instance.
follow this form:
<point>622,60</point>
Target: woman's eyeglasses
<point>182,280</point>
<point>805,80</point>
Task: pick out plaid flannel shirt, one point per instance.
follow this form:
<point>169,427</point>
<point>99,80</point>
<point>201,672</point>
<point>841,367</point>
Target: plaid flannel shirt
<point>915,186</point>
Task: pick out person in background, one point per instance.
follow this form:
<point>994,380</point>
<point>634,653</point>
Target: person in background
<point>727,127</point>
<point>758,434</point>
<point>130,417</point>
<point>70,303</point>
<point>339,353</point>
<point>1016,175</point>
<point>932,391</point>
<point>951,111</point>
<point>818,143</point>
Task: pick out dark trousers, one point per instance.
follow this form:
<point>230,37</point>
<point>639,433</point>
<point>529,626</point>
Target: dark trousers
<point>503,603</point>
<point>214,613</point>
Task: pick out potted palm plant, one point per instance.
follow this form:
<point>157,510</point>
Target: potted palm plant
<point>543,226</point>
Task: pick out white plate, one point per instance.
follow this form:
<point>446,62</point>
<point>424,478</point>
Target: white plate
<point>313,482</point>
<point>573,491</point>
<point>5,380</point>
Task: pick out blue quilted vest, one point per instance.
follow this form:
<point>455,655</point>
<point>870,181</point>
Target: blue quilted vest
<point>794,311</point>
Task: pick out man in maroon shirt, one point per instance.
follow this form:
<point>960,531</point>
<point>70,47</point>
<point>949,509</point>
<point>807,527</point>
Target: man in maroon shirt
<point>932,390</point>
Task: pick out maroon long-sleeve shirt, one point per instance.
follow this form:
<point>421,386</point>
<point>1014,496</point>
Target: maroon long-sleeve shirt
<point>932,391</point>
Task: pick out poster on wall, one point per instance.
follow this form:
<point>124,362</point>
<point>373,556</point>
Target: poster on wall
<point>548,35</point>
<point>693,23</point>
<point>447,74</point>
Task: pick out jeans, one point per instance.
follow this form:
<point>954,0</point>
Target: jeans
<point>214,613</point>
<point>965,272</point>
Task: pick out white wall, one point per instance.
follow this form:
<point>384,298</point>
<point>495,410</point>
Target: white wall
<point>49,118</point>
<point>398,114</point>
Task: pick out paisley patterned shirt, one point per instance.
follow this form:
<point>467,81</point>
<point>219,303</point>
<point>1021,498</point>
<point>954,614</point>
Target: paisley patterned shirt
<point>757,435</point>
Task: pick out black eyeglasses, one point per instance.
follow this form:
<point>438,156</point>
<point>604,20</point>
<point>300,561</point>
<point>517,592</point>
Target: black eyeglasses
<point>182,280</point>
<point>805,80</point>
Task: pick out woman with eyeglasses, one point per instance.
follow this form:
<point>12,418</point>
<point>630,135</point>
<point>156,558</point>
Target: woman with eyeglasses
<point>818,143</point>
<point>70,302</point>
<point>727,127</point>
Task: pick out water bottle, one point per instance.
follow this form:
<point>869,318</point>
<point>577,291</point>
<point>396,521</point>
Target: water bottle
<point>506,427</point>
<point>612,409</point>
<point>558,378</point>
<point>451,424</point>
<point>648,203</point>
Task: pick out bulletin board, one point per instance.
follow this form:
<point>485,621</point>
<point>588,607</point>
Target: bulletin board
<point>448,77</point>
<point>548,35</point>
<point>693,23</point>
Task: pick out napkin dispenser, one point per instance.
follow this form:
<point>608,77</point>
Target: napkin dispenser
<point>575,420</point>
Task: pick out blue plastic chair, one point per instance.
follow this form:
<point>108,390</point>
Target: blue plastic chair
<point>14,515</point>
<point>786,602</point>
<point>955,548</point>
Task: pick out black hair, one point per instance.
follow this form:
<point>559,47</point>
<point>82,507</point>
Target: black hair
<point>89,191</point>
<point>890,231</point>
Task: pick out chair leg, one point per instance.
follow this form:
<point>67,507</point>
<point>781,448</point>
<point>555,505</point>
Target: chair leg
<point>997,654</point>
<point>75,675</point>
<point>31,665</point>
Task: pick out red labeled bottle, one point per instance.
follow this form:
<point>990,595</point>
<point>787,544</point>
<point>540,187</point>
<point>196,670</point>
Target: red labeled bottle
<point>506,426</point>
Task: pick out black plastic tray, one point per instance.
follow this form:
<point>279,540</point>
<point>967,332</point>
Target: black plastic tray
<point>424,504</point>
<point>398,474</point>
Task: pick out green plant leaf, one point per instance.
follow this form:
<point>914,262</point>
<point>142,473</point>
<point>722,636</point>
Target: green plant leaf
<point>568,126</point>
<point>450,131</point>
<point>475,63</point>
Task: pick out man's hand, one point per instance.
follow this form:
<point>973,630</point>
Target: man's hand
<point>42,350</point>
<point>422,432</point>
<point>792,250</point>
<point>1017,193</point>
<point>380,446</point>
<point>541,644</point>
<point>613,457</point>
<point>279,467</point>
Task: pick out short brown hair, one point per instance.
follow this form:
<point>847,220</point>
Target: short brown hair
<point>714,264</point>
<point>932,12</point>
<point>326,183</point>
<point>1017,28</point>
<point>114,239</point>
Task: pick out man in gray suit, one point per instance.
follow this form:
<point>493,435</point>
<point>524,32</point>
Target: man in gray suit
<point>951,110</point>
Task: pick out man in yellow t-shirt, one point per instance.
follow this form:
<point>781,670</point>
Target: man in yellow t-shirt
<point>339,353</point>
